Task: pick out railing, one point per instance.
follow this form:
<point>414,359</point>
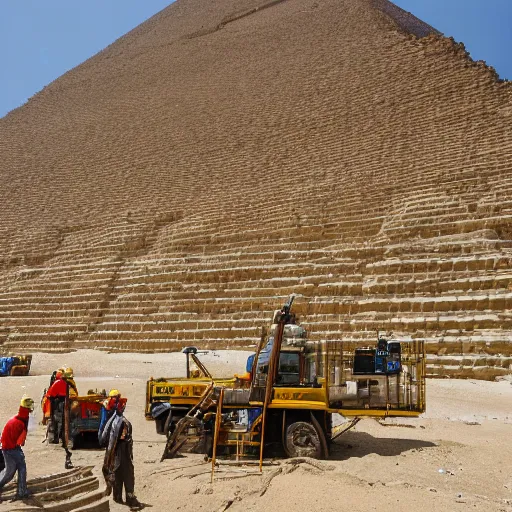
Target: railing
<point>402,388</point>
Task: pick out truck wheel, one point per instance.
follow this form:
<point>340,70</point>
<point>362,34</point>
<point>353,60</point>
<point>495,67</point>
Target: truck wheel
<point>302,440</point>
<point>169,425</point>
<point>159,425</point>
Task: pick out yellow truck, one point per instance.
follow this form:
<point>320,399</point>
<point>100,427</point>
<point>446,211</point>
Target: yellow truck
<point>287,398</point>
<point>169,399</point>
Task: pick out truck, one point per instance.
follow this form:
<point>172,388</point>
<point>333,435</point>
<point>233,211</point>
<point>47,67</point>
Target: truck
<point>15,365</point>
<point>289,395</point>
<point>83,414</point>
<point>168,399</point>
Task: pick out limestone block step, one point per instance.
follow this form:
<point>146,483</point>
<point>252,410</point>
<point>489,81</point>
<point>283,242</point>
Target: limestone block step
<point>152,346</point>
<point>51,306</point>
<point>476,366</point>
<point>435,265</point>
<point>150,331</point>
<point>179,324</point>
<point>437,284</point>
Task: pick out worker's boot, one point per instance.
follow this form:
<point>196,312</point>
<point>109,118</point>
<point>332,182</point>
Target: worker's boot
<point>68,464</point>
<point>24,496</point>
<point>133,502</point>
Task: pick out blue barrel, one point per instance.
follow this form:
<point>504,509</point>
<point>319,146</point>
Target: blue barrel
<point>6,365</point>
<point>253,415</point>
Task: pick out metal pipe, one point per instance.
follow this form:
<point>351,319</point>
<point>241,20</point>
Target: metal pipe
<point>217,428</point>
<point>276,349</point>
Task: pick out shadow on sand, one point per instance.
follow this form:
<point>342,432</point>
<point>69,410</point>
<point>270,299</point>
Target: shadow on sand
<point>359,444</point>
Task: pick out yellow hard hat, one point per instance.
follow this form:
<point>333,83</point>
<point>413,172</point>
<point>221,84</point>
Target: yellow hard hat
<point>59,372</point>
<point>114,392</point>
<point>27,403</point>
<point>68,373</point>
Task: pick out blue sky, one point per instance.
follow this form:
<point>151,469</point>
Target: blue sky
<point>42,39</point>
<point>484,26</point>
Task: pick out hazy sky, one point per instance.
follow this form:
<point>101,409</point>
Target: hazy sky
<point>42,39</point>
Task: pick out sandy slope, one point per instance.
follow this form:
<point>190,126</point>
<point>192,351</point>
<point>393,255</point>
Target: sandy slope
<point>466,433</point>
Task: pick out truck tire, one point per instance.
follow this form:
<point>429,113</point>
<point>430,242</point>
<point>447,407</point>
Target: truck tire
<point>159,425</point>
<point>303,440</point>
<point>169,425</point>
<point>171,422</point>
<point>160,411</point>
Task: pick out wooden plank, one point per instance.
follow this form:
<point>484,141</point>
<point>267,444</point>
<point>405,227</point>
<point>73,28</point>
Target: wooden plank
<point>99,506</point>
<point>54,479</point>
<point>67,487</point>
<point>22,508</point>
<point>69,490</point>
<point>80,502</point>
<point>102,506</point>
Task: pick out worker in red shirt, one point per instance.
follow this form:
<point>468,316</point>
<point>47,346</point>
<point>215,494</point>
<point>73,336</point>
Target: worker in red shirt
<point>13,438</point>
<point>58,394</point>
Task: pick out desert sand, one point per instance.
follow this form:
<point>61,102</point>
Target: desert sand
<point>457,456</point>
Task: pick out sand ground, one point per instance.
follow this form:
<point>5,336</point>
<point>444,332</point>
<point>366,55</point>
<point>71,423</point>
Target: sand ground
<point>457,456</point>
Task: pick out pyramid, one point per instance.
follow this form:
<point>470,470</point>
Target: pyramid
<point>174,188</point>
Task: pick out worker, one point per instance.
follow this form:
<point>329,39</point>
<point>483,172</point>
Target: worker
<point>69,377</point>
<point>116,436</point>
<point>58,394</point>
<point>46,404</point>
<point>109,407</point>
<point>13,438</point>
<point>57,374</point>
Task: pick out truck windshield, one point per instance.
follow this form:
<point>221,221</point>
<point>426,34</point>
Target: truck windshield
<point>289,369</point>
